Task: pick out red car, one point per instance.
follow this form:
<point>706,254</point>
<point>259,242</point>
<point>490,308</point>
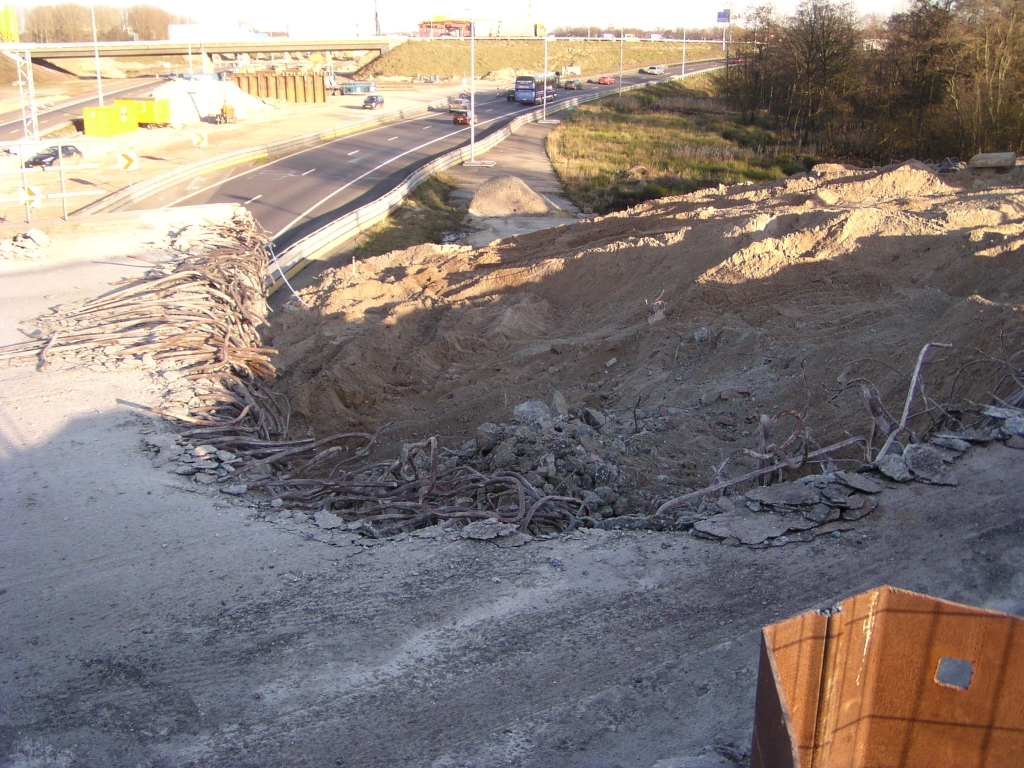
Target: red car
<point>606,80</point>
<point>461,117</point>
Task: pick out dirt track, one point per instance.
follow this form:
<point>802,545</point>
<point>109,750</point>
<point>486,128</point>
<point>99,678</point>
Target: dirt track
<point>145,620</point>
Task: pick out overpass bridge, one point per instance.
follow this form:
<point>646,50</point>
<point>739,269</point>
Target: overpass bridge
<point>174,48</point>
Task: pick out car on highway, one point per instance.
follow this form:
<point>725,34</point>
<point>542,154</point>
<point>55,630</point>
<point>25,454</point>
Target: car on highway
<point>69,155</point>
<point>462,117</point>
<point>654,69</point>
<point>458,104</point>
<point>606,80</point>
<point>373,102</point>
<point>573,85</point>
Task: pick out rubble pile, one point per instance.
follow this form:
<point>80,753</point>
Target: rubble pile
<point>31,244</point>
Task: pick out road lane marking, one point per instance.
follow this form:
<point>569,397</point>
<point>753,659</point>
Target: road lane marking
<point>339,190</point>
<point>352,152</point>
<point>519,108</point>
<point>308,172</point>
<point>392,138</point>
<point>252,199</point>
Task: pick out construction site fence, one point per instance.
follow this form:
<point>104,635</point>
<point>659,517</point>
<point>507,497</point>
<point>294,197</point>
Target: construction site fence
<point>296,87</point>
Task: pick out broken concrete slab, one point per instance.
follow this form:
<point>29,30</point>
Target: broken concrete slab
<point>992,161</point>
<point>785,495</point>
<point>747,527</point>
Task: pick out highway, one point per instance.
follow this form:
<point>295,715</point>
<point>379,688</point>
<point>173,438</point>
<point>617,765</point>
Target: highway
<point>11,128</point>
<point>295,195</point>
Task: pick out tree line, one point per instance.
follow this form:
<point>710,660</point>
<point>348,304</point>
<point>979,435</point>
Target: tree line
<point>72,23</point>
<point>945,77</point>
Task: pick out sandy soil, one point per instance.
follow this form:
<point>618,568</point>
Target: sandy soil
<point>148,620</point>
<point>700,312</point>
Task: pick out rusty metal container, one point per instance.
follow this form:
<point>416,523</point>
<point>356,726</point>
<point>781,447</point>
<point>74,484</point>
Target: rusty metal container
<point>891,679</point>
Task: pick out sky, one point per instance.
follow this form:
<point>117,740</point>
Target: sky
<point>309,19</point>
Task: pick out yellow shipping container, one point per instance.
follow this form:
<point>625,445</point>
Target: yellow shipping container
<point>149,112</point>
<point>109,121</point>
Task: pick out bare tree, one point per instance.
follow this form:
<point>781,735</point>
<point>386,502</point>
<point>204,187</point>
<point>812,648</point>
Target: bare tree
<point>823,44</point>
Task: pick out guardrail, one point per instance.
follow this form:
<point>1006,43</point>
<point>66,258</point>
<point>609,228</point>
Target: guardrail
<point>147,187</point>
<point>332,238</point>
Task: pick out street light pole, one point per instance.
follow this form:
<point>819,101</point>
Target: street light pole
<point>544,100</point>
<point>96,53</point>
<point>472,91</point>
<point>682,72</point>
<point>622,44</point>
<point>472,100</point>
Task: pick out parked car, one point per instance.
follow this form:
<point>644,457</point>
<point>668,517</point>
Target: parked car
<point>654,69</point>
<point>606,80</point>
<point>573,85</point>
<point>373,102</point>
<point>463,117</point>
<point>48,157</point>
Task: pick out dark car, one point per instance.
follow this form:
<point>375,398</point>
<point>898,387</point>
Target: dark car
<point>573,85</point>
<point>372,102</point>
<point>48,157</point>
<point>462,117</point>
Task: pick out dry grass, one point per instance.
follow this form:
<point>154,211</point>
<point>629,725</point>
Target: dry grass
<point>450,58</point>
<point>664,140</point>
<point>425,216</point>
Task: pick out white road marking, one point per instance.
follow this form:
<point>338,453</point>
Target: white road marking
<point>252,199</point>
<point>339,190</point>
<point>301,151</point>
<point>352,152</point>
<point>308,172</point>
<point>392,138</point>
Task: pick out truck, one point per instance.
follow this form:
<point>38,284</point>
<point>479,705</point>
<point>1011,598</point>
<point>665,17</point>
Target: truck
<point>569,72</point>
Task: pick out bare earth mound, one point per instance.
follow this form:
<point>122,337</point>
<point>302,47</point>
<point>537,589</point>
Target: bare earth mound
<point>679,322</point>
<point>507,196</point>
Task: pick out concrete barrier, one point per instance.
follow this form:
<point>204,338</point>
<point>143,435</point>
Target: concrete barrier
<point>332,238</point>
<point>141,190</point>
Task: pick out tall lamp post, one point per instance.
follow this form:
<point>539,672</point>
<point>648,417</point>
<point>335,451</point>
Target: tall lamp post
<point>472,100</point>
<point>622,44</point>
<point>96,53</point>
<point>682,72</point>
<point>544,99</point>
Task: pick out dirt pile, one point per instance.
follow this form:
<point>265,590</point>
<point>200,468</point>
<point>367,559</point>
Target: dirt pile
<point>507,196</point>
<point>192,100</point>
<point>683,322</point>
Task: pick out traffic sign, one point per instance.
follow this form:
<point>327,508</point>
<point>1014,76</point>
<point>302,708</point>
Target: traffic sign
<point>199,138</point>
<point>127,160</point>
<point>30,196</point>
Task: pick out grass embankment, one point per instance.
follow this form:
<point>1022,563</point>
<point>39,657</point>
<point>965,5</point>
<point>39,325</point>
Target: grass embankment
<point>450,58</point>
<point>668,139</point>
<point>425,216</point>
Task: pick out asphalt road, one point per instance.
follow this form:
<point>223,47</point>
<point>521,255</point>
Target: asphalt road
<point>12,129</point>
<point>295,195</point>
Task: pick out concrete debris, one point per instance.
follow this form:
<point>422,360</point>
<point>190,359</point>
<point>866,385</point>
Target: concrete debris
<point>1014,426</point>
<point>859,482</point>
<point>328,521</point>
<point>484,530</point>
<point>532,412</point>
<point>748,528</point>
<point>31,244</point>
<point>895,468</point>
<point>926,463</point>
